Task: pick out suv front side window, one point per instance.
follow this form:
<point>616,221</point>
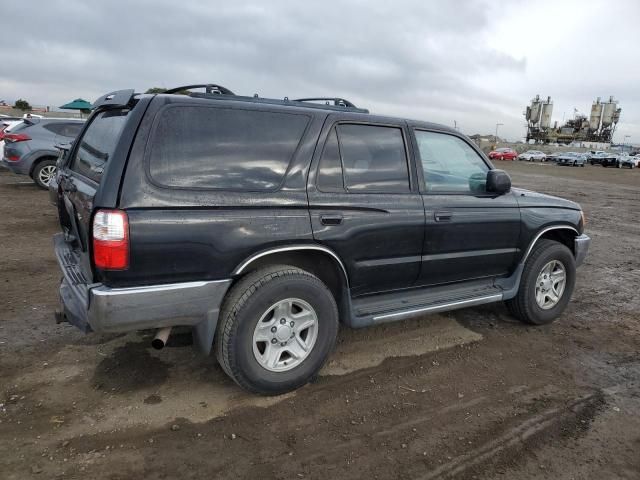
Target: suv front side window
<point>450,165</point>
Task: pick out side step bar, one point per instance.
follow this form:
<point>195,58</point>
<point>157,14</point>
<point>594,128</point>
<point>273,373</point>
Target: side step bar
<point>443,307</point>
<point>393,306</point>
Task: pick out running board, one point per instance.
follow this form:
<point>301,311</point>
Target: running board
<point>443,307</point>
<point>390,307</point>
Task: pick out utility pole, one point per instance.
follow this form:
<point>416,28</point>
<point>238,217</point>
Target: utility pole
<point>496,136</point>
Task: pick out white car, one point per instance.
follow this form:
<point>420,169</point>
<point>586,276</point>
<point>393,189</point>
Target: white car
<point>5,127</point>
<point>628,161</point>
<point>532,156</point>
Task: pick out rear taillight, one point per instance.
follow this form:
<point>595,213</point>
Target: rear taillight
<point>111,240</point>
<point>16,137</point>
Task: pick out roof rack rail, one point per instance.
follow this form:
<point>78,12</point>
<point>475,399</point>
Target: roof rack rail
<point>210,88</point>
<point>336,101</point>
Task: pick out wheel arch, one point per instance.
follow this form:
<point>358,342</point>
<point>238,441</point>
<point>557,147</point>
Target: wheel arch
<point>39,159</point>
<point>564,234</point>
<point>316,259</point>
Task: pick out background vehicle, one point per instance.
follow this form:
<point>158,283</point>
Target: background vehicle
<point>628,161</point>
<point>30,146</point>
<point>503,154</point>
<point>611,161</point>
<point>532,156</point>
<point>573,159</point>
<point>552,157</point>
<point>596,157</point>
<point>5,127</point>
<point>283,219</point>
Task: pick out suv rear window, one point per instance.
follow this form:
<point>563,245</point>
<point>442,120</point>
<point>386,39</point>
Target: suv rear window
<point>98,143</point>
<point>222,148</point>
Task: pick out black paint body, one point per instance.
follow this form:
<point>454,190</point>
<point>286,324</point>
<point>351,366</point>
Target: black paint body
<point>386,242</point>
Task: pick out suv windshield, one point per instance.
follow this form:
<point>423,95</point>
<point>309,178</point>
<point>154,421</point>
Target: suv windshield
<point>98,143</point>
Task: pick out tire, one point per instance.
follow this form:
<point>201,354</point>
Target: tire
<point>247,304</point>
<point>575,164</point>
<point>45,169</point>
<point>524,305</point>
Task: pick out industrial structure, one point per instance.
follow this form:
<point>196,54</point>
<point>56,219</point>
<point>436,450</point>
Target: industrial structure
<point>597,128</point>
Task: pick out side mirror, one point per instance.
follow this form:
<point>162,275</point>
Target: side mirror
<point>498,181</point>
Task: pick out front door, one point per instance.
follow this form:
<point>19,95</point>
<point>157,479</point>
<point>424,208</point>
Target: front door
<point>365,205</point>
<point>469,233</point>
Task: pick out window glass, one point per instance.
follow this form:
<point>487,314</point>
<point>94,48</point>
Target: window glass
<point>450,164</point>
<point>373,158</point>
<point>330,171</point>
<point>98,143</point>
<point>71,130</point>
<point>223,148</point>
<point>55,128</point>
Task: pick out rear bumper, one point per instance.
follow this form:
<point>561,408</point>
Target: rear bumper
<point>98,308</point>
<point>581,248</point>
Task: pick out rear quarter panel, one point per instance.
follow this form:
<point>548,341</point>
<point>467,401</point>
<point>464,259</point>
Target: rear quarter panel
<point>183,235</point>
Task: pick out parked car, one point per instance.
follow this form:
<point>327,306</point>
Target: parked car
<point>5,127</point>
<point>596,157</point>
<point>266,224</point>
<point>552,157</point>
<point>629,161</point>
<point>532,156</point>
<point>29,147</point>
<point>503,154</point>
<point>573,159</point>
<point>611,160</point>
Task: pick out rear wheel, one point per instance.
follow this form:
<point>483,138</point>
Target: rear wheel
<point>44,172</point>
<point>546,284</point>
<point>277,327</point>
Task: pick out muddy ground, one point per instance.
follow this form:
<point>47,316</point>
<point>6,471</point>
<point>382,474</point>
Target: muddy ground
<point>469,394</point>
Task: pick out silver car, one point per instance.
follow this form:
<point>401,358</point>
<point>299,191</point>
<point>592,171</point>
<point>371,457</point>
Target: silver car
<point>30,146</point>
<point>573,159</point>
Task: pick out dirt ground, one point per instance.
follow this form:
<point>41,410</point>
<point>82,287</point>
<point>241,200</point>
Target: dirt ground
<point>468,394</point>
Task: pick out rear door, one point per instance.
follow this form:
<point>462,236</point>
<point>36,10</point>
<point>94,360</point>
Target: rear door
<point>81,179</point>
<point>364,203</point>
<point>469,233</point>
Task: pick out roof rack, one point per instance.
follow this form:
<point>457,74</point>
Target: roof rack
<point>218,92</point>
<point>336,101</point>
<point>210,88</point>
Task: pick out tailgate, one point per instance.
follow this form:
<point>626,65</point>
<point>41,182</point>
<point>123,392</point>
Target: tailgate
<point>80,179</point>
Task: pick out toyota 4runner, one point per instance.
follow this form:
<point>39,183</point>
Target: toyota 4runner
<point>266,224</point>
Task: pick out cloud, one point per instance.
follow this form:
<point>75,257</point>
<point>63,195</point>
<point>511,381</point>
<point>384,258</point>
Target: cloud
<point>436,61</point>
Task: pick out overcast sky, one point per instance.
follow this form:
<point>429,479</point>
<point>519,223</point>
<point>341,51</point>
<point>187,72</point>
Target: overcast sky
<point>476,62</point>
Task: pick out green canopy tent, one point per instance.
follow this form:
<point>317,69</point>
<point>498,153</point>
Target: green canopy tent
<point>78,104</point>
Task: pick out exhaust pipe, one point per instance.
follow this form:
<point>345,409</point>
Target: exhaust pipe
<point>160,340</point>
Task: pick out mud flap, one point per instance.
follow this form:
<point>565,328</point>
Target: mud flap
<point>204,332</point>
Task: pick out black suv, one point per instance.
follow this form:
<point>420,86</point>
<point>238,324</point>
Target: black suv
<point>265,224</point>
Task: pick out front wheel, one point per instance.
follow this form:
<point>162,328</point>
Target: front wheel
<point>546,285</point>
<point>44,172</point>
<point>277,327</point>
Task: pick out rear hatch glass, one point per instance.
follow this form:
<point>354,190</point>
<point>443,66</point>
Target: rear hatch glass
<point>98,143</point>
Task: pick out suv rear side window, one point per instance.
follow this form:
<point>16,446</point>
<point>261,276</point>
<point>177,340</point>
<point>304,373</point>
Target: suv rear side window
<point>222,148</point>
<point>373,158</point>
<point>98,143</point>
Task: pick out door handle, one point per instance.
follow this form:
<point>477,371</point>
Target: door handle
<point>442,216</point>
<point>331,219</point>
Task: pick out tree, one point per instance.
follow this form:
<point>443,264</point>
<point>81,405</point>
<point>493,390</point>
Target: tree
<point>22,105</point>
<point>156,90</point>
<point>162,90</point>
